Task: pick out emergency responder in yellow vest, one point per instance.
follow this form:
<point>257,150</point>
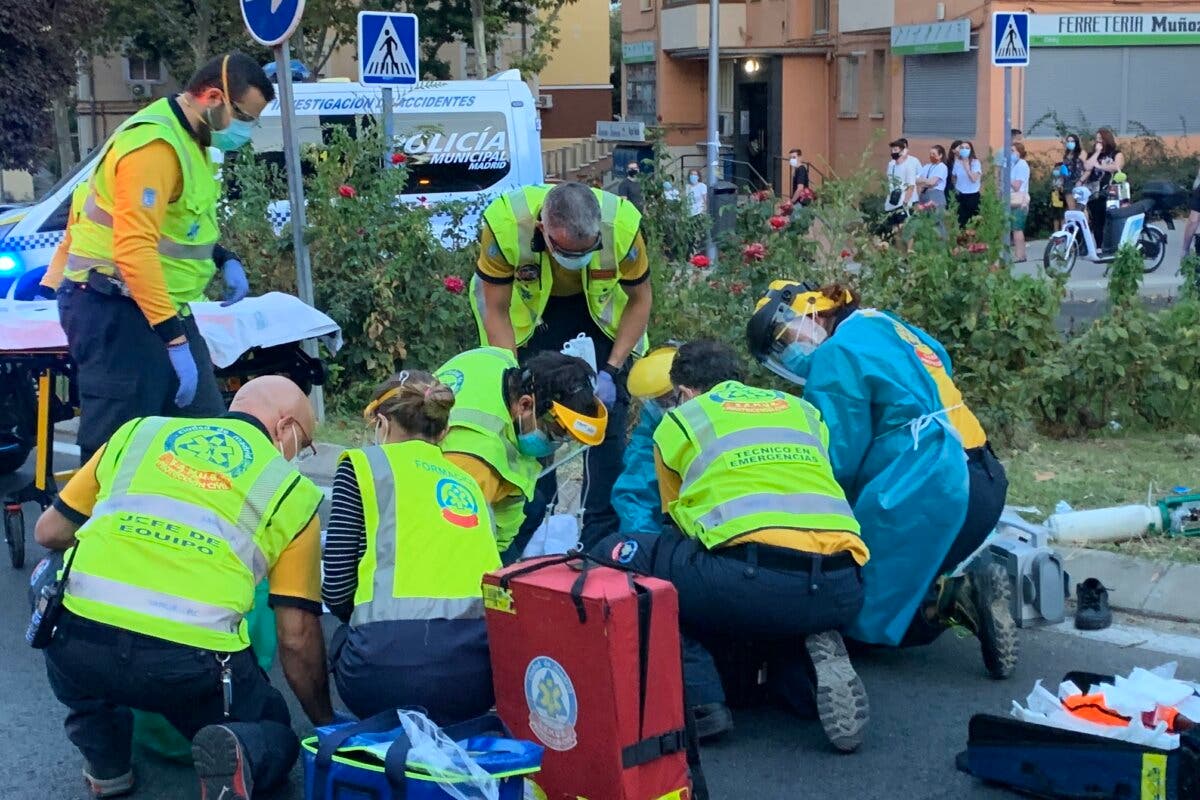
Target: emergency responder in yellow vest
<point>508,419</point>
<point>408,543</point>
<point>144,246</point>
<point>763,547</point>
<point>555,263</point>
<point>172,523</point>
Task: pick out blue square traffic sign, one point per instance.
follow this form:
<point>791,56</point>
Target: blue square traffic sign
<point>1010,39</point>
<point>387,49</point>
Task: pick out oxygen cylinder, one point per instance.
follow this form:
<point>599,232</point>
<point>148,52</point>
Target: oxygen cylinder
<point>1103,524</point>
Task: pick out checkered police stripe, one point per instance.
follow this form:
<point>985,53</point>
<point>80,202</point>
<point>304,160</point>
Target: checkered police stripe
<point>33,241</point>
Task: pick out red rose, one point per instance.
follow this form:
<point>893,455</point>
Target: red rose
<point>846,254</point>
<point>778,222</point>
<point>807,195</point>
<point>399,158</point>
<point>785,208</point>
<point>754,252</point>
<point>454,284</point>
<point>347,191</point>
<point>977,247</point>
<point>699,261</point>
<point>737,288</point>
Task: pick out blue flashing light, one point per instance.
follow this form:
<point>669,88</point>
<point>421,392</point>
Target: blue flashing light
<point>10,264</point>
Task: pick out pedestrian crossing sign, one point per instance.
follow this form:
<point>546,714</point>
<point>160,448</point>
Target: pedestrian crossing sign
<point>1010,39</point>
<point>387,49</point>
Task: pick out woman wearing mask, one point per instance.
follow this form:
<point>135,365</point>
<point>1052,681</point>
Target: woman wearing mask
<point>1066,177</point>
<point>931,183</point>
<point>697,193</point>
<point>1105,161</point>
<point>968,179</point>
<point>912,458</point>
<point>507,419</point>
<point>408,544</point>
<point>1019,176</point>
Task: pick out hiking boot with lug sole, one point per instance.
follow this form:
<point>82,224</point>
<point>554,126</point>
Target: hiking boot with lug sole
<point>842,704</point>
<point>221,765</point>
<point>108,787</point>
<point>981,601</point>
<point>1092,612</point>
<point>712,720</point>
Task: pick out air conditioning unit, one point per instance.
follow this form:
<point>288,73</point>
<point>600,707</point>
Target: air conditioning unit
<point>140,90</point>
<point>545,101</point>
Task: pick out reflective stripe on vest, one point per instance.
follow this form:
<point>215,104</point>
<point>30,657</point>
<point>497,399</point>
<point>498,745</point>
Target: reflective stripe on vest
<point>526,228</point>
<point>800,503</point>
<point>155,604</point>
<point>166,247</point>
<point>492,423</point>
<point>383,606</point>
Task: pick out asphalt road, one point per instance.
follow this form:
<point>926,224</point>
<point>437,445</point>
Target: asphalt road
<point>921,701</point>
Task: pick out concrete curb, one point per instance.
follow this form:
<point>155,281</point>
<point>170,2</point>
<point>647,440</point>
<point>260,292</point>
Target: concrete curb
<point>1153,588</point>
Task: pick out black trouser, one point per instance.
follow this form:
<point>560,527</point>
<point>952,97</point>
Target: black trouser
<point>441,665</point>
<point>123,368</point>
<point>968,206</point>
<point>565,318</point>
<point>100,672</point>
<point>987,492</point>
<point>1097,211</point>
<point>750,592</point>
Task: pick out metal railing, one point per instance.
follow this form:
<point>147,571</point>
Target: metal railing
<point>565,162</point>
<point>753,184</point>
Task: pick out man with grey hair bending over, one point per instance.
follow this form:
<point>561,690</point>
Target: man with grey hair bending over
<point>555,262</point>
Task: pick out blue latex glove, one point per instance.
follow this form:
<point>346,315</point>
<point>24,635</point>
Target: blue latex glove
<point>236,285</point>
<point>606,390</point>
<point>185,367</point>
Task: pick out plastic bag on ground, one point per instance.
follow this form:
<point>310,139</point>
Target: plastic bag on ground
<point>557,534</point>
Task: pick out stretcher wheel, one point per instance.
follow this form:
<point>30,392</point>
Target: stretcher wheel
<point>14,535</point>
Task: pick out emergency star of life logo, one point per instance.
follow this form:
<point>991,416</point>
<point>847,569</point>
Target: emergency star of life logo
<point>457,503</point>
<point>553,706</point>
<point>205,456</point>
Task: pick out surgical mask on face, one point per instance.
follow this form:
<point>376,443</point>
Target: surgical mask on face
<point>572,263</point>
<point>233,137</point>
<point>896,155</point>
<point>964,152</point>
<point>295,448</point>
<point>535,443</point>
<point>693,179</point>
<point>794,357</point>
<point>1014,157</point>
<point>666,186</point>
<point>1070,145</point>
<point>795,162</point>
<point>381,430</point>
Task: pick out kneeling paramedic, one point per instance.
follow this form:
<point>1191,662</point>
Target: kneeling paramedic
<point>508,419</point>
<point>409,541</point>
<point>171,524</point>
<point>913,459</point>
<point>555,262</point>
<point>635,494</point>
<point>764,546</point>
<point>142,244</point>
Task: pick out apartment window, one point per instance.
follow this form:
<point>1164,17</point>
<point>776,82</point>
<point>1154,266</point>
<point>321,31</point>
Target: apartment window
<point>640,93</point>
<point>848,86</point>
<point>821,16</point>
<point>878,82</point>
<point>143,69</point>
<point>647,5</point>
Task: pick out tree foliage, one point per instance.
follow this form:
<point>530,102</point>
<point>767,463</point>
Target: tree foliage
<point>38,40</point>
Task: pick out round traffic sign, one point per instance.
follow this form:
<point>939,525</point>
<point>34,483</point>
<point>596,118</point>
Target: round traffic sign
<point>271,22</point>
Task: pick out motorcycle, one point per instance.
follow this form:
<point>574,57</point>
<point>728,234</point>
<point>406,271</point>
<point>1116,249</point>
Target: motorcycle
<point>1076,236</point>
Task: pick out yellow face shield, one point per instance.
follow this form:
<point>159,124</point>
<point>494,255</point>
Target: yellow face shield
<point>580,427</point>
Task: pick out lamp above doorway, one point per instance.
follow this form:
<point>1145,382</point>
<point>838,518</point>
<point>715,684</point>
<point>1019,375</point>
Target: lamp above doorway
<point>751,66</point>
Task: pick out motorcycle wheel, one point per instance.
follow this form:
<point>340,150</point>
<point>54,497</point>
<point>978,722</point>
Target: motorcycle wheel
<point>1152,243</point>
<point>1060,256</point>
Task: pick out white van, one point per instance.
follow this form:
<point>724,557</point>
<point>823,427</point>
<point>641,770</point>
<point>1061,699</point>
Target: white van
<point>465,140</point>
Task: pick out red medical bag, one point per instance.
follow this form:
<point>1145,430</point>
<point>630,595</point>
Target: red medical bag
<point>587,661</point>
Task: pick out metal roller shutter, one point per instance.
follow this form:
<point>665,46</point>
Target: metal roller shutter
<point>940,94</point>
<point>1163,91</point>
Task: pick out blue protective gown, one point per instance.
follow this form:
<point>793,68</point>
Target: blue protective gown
<point>876,395</point>
<point>635,494</point>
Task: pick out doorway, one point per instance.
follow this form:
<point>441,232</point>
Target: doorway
<point>753,139</point>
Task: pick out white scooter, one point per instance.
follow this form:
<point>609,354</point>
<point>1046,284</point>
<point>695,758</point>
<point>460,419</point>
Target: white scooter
<point>1063,249</point>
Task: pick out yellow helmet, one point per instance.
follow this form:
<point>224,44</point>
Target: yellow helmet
<point>650,377</point>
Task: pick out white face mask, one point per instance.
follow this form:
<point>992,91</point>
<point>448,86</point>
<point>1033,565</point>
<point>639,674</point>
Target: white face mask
<point>572,263</point>
<point>795,162</point>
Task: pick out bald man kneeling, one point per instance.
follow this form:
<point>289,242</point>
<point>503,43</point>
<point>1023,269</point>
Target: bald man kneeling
<point>170,526</point>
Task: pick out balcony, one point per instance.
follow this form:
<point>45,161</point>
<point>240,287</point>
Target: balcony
<point>685,27</point>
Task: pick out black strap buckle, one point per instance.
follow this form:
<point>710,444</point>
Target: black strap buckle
<point>653,748</point>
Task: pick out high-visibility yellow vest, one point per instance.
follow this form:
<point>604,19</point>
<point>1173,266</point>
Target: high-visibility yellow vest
<point>750,459</point>
<point>190,228</point>
<point>481,426</point>
<point>512,218</point>
<point>429,536</point>
<point>191,515</point>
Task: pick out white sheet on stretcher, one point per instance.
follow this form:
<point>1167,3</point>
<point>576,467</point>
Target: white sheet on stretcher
<point>266,321</point>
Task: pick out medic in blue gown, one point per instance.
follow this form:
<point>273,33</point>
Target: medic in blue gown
<point>635,493</point>
<point>912,458</point>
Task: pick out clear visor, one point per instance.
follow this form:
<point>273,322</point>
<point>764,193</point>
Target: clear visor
<point>793,334</point>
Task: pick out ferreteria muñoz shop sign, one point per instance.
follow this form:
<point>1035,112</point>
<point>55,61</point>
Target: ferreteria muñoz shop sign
<point>1113,30</point>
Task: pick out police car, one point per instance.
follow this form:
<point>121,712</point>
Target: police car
<point>464,140</point>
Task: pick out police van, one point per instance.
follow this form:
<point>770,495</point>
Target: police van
<point>464,140</point>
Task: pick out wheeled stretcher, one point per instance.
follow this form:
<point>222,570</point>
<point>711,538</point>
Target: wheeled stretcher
<point>257,336</point>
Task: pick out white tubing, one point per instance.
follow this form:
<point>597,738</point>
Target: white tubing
<point>1103,524</point>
